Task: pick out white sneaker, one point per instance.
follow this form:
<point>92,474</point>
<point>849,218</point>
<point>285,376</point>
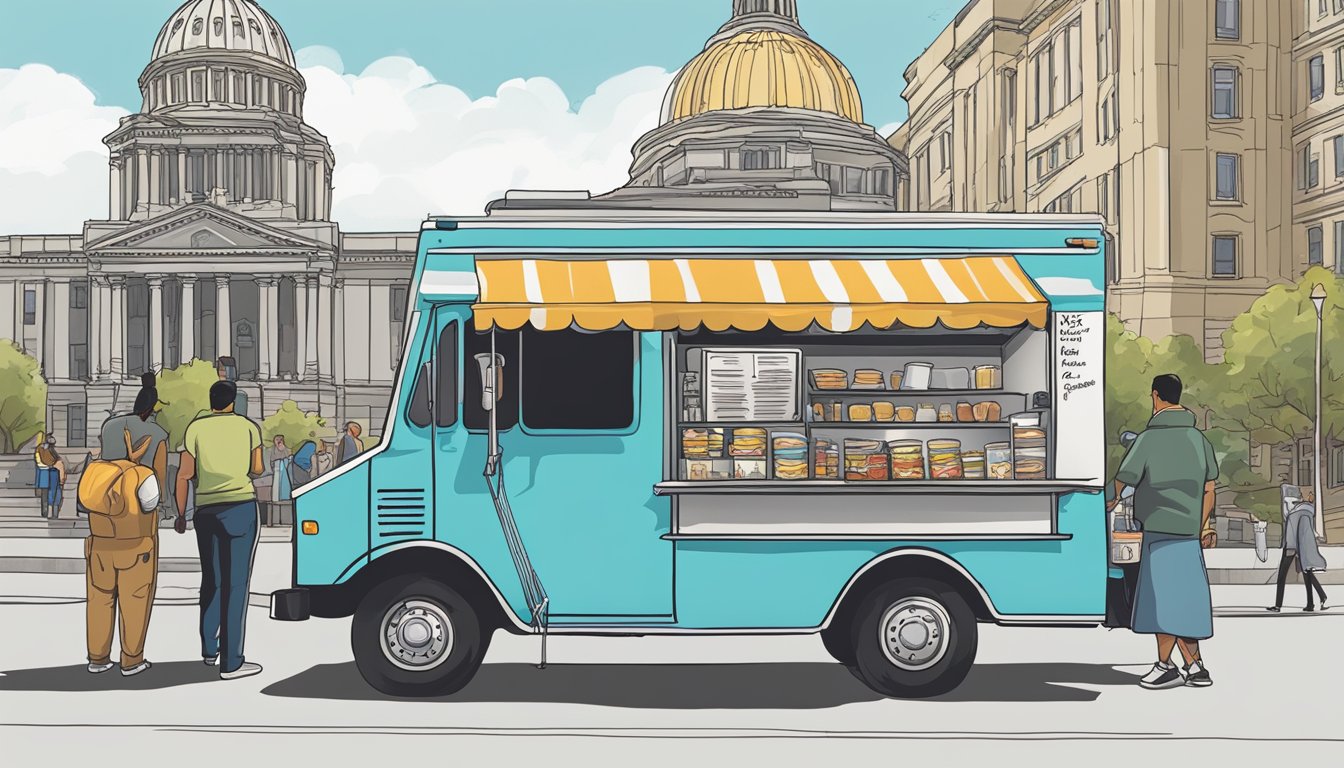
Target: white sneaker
<point>211,661</point>
<point>248,669</point>
<point>1162,676</point>
<point>137,669</point>
<point>98,669</point>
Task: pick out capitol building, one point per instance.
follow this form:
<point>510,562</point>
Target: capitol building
<point>219,239</point>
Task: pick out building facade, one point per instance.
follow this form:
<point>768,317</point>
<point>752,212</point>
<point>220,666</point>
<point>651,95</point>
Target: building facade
<point>218,242</point>
<point>1173,120</point>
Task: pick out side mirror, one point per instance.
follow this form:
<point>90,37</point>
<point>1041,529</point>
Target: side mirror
<point>1127,438</point>
<point>492,383</point>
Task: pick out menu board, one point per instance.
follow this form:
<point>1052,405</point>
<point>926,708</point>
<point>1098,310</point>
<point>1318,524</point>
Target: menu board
<point>1079,340</point>
<point>752,384</point>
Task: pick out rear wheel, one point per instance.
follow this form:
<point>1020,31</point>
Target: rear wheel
<point>914,638</point>
<point>413,636</point>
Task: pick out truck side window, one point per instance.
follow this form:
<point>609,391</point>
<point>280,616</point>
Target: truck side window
<point>445,377</point>
<point>506,344</point>
<point>578,380</point>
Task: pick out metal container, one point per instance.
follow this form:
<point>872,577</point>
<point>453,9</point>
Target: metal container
<point>999,461</point>
<point>917,376</point>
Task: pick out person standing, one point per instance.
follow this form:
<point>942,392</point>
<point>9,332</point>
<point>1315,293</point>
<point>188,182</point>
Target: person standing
<point>1299,546</point>
<point>350,446</point>
<point>50,477</point>
<point>1173,470</point>
<point>222,452</point>
<point>122,551</point>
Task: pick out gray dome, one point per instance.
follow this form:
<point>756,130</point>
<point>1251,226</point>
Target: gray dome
<point>223,25</point>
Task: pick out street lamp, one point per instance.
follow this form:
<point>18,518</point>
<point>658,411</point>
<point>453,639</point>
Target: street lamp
<point>1318,298</point>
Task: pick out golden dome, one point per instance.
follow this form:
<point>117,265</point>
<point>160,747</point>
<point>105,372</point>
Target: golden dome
<point>765,68</point>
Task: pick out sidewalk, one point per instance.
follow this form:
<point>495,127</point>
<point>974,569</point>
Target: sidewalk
<point>1239,565</point>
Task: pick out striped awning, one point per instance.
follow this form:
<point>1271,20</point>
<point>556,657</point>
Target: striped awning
<point>747,294</point>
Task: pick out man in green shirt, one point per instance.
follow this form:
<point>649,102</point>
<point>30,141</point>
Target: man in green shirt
<point>1172,469</point>
<point>222,452</point>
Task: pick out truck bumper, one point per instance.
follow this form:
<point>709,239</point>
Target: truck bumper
<point>291,605</point>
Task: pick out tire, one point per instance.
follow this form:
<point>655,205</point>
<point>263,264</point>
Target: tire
<point>838,643</point>
<point>413,636</point>
<point>932,630</point>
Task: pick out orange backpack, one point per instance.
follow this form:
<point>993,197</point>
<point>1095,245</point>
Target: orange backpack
<point>109,492</point>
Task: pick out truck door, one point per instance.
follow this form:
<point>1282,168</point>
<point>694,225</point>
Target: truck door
<point>580,462</point>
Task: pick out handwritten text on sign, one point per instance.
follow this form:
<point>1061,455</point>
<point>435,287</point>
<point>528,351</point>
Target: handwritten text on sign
<point>1079,340</point>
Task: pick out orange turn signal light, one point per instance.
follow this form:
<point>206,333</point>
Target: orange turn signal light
<point>1081,242</point>
<point>309,527</point>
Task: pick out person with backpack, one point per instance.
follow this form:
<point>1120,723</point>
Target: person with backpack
<point>50,475</point>
<point>121,493</point>
<point>222,453</point>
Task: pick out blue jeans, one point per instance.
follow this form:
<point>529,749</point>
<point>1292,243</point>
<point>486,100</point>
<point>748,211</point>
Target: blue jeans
<point>226,535</point>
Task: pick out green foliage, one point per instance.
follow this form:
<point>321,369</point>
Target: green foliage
<point>23,397</point>
<point>293,424</point>
<point>185,392</point>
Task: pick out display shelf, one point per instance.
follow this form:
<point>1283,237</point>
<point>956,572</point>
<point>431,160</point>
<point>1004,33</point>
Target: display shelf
<point>996,487</point>
<point>741,424</point>
<point>992,393</point>
<point>898,425</point>
<point>905,537</point>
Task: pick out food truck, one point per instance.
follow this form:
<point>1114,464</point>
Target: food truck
<point>882,429</point>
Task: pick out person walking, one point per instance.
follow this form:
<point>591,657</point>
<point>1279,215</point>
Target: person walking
<point>50,477</point>
<point>1173,470</point>
<point>350,445</point>
<point>222,452</point>
<point>122,551</point>
<point>1299,546</point>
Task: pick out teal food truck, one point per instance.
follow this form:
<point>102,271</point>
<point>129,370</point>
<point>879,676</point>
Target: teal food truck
<point>882,429</point>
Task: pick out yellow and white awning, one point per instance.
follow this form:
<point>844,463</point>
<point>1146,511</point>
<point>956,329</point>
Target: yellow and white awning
<point>747,294</point>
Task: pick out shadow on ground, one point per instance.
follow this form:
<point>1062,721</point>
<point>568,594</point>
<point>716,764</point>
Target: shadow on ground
<point>711,686</point>
<point>77,679</point>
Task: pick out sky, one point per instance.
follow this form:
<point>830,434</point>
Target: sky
<point>430,106</point>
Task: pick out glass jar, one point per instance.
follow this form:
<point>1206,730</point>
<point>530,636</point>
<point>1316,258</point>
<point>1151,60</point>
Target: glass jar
<point>907,460</point>
<point>926,412</point>
<point>945,460</point>
<point>866,460</point>
<point>973,465</point>
<point>987,377</point>
<point>945,413</point>
<point>999,461</point>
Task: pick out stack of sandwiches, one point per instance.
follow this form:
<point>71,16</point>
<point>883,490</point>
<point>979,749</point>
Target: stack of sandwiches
<point>1028,452</point>
<point>790,454</point>
<point>865,378</point>
<point>829,378</point>
<point>747,441</point>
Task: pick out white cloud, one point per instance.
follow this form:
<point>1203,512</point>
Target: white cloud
<point>890,128</point>
<point>53,165</point>
<point>408,145</point>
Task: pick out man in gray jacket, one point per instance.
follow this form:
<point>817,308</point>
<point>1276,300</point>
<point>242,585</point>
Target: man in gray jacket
<point>1299,545</point>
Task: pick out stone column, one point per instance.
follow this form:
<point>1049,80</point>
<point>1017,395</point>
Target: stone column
<point>155,188</point>
<point>183,194</point>
<point>58,315</point>
<point>291,194</point>
<point>155,341</point>
<point>275,173</point>
<point>310,327</point>
<point>114,189</point>
<point>301,326</point>
<point>325,316</point>
<point>223,322</point>
<point>266,327</point>
<point>186,341</point>
<point>338,324</point>
<point>97,286</point>
<point>8,329</point>
<point>116,365</point>
<point>142,179</point>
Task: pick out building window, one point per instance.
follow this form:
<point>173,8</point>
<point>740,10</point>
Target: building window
<point>944,151</point>
<point>198,86</point>
<point>1224,255</point>
<point>1305,476</point>
<point>1103,38</point>
<point>1073,38</point>
<point>239,95</point>
<point>1321,7</point>
<point>1339,69</point>
<point>1227,20</point>
<point>882,182</point>
<point>1224,92</point>
<point>177,96</point>
<point>1104,120</point>
<point>1337,466</point>
<point>29,306</point>
<point>79,296</point>
<point>1339,6</point>
<point>1309,168</point>
<point>1104,196</point>
<point>553,398</point>
<point>1314,246</point>
<point>1036,83</point>
<point>76,424</point>
<point>853,181</point>
<point>1339,247</point>
<point>1316,72</point>
<point>1337,143</point>
<point>1228,171</point>
<point>758,159</point>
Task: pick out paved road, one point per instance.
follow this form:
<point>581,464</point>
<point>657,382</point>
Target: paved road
<point>1042,694</point>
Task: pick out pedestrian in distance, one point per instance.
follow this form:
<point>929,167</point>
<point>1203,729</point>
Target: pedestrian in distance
<point>121,493</point>
<point>49,484</point>
<point>350,445</point>
<point>1299,547</point>
<point>1173,470</point>
<point>222,453</point>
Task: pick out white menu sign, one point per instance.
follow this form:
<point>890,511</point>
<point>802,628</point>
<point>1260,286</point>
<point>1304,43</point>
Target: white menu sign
<point>1079,340</point>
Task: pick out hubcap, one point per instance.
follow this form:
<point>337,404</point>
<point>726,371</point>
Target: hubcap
<point>417,635</point>
<point>914,633</point>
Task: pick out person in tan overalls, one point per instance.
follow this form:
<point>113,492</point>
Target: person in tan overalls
<point>122,499</point>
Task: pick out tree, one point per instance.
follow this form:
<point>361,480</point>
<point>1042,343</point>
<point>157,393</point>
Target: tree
<point>185,393</point>
<point>23,397</point>
<point>293,424</point>
<point>1270,393</point>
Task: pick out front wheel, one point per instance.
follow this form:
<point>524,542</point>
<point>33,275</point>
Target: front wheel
<point>914,638</point>
<point>413,636</point>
